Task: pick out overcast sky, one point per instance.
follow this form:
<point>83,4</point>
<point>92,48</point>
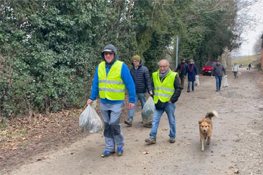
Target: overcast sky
<point>250,36</point>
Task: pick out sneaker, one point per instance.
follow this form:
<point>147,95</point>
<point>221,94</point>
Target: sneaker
<point>106,153</point>
<point>217,90</point>
<point>172,139</point>
<point>119,151</point>
<point>150,140</point>
<point>128,122</point>
<point>148,125</point>
<point>188,91</point>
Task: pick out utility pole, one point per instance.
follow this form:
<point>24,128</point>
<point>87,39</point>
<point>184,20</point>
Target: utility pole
<point>177,48</point>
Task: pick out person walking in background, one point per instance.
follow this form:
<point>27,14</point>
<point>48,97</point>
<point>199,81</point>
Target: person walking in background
<point>218,71</point>
<point>249,66</point>
<point>235,70</point>
<point>167,90</point>
<point>110,80</point>
<point>141,78</point>
<point>182,70</point>
<point>191,73</point>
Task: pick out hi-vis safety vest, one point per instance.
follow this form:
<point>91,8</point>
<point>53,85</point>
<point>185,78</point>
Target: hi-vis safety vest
<point>163,91</point>
<point>111,86</point>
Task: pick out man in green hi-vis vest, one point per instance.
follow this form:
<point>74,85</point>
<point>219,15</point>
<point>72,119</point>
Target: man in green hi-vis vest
<point>167,90</point>
<point>110,80</point>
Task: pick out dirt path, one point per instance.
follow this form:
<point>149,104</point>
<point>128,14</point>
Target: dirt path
<point>236,142</point>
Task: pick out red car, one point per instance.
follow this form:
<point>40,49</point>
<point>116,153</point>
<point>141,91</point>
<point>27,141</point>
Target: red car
<point>208,67</point>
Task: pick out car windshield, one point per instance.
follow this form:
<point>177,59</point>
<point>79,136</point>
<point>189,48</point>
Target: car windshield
<point>210,64</point>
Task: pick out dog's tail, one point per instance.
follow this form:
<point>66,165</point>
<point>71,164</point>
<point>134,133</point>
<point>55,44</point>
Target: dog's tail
<point>211,114</point>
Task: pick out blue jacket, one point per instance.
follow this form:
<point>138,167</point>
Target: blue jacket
<point>127,79</point>
<point>191,71</point>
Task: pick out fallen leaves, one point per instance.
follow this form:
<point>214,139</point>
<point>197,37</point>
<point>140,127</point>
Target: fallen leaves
<point>35,128</point>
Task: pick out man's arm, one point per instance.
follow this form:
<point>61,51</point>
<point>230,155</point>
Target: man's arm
<point>147,79</point>
<point>95,86</point>
<point>212,73</point>
<point>178,88</point>
<point>128,81</point>
<point>152,85</point>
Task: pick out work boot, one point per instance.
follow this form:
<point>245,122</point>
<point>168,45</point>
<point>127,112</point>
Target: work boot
<point>150,140</point>
<point>172,139</point>
<point>128,122</point>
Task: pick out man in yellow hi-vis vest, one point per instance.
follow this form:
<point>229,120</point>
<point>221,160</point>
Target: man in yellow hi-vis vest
<point>110,80</point>
<point>167,90</point>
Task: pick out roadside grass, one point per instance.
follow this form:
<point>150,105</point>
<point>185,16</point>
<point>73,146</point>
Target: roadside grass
<point>246,60</point>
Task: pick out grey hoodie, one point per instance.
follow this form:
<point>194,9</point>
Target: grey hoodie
<point>111,48</point>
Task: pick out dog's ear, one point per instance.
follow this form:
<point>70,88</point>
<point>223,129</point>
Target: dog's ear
<point>209,122</point>
<point>199,122</point>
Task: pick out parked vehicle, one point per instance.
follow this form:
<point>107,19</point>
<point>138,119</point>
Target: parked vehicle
<point>208,67</point>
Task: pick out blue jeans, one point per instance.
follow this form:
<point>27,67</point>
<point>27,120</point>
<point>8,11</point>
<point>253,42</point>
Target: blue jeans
<point>193,85</point>
<point>142,98</point>
<point>218,82</point>
<point>169,109</point>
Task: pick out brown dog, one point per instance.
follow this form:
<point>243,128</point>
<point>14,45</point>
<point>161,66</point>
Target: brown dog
<point>206,128</point>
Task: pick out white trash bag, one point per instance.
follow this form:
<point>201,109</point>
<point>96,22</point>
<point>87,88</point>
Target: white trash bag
<point>147,112</point>
<point>90,121</point>
<point>238,74</point>
<point>197,83</point>
<point>225,83</point>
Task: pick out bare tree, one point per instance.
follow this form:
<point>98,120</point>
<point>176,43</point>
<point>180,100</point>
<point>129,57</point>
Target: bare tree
<point>257,46</point>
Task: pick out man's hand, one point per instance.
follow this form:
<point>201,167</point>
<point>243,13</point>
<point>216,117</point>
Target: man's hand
<point>151,93</point>
<point>89,102</point>
<point>131,106</point>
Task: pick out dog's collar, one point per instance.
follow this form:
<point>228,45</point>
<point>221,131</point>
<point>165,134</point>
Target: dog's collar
<point>206,134</point>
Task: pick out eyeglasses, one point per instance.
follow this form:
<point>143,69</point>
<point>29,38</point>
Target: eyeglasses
<point>162,66</point>
<point>108,53</point>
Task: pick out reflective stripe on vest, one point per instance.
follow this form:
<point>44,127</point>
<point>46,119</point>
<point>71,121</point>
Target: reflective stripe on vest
<point>163,91</point>
<point>111,86</point>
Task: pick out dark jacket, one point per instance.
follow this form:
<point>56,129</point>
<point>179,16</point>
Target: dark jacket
<point>218,70</point>
<point>191,71</point>
<point>141,78</point>
<point>178,88</point>
<point>182,69</point>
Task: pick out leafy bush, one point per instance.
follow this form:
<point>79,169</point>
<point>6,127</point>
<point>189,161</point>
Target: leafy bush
<point>49,50</point>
